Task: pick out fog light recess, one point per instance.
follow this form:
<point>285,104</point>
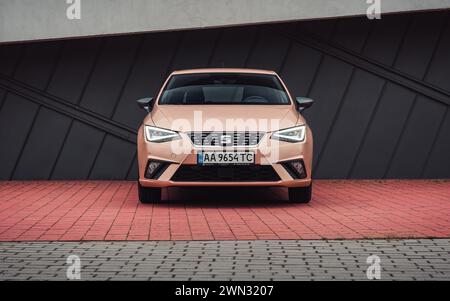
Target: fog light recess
<point>295,168</point>
<point>155,169</point>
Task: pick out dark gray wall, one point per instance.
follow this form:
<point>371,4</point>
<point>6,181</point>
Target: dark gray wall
<point>382,91</point>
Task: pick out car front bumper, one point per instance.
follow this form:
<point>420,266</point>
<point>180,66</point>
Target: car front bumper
<point>267,171</point>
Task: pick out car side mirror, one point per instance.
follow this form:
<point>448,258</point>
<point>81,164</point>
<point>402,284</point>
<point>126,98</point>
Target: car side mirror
<point>145,103</point>
<point>303,103</point>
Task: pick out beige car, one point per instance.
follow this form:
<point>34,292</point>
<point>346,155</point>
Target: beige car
<point>224,127</point>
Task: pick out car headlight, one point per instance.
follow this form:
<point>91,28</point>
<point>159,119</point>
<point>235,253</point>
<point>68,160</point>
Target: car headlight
<point>295,134</point>
<point>154,134</point>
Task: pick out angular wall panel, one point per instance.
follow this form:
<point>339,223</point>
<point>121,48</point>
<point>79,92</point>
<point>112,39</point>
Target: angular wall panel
<point>145,79</point>
<point>417,139</point>
<point>382,92</point>
<point>44,142</point>
<point>74,69</point>
<point>16,118</point>
<point>378,145</point>
<point>109,75</point>
<point>77,157</point>
<point>349,127</point>
<point>231,57</point>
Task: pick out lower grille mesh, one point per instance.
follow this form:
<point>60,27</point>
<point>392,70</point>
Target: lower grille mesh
<point>243,173</point>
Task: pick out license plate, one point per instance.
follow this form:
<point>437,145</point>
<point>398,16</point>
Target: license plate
<point>205,158</point>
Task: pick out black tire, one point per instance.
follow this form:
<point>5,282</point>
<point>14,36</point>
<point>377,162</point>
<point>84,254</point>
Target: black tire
<point>300,194</point>
<point>149,195</point>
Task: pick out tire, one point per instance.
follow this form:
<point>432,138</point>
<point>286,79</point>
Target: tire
<point>149,195</point>
<point>300,194</point>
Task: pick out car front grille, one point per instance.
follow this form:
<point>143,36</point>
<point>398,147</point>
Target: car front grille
<point>223,139</point>
<point>237,173</point>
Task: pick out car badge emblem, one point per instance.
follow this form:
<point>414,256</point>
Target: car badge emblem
<point>225,139</point>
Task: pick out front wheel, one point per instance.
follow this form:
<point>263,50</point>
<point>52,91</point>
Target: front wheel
<point>300,194</point>
<point>148,195</point>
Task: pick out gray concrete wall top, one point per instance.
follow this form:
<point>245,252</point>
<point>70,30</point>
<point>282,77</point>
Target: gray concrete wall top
<point>27,20</point>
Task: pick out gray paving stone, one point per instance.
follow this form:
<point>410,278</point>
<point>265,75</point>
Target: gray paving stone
<point>411,259</point>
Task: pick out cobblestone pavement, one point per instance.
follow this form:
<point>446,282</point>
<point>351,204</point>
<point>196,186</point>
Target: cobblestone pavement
<point>423,259</point>
<point>110,210</point>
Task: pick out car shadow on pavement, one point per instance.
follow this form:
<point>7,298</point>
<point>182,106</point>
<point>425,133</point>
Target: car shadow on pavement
<point>225,196</point>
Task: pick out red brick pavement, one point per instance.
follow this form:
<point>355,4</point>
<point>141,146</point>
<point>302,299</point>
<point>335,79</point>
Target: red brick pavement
<point>95,210</point>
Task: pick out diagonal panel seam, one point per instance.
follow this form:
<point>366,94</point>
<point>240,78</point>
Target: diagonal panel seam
<point>38,110</point>
<point>414,103</point>
<point>136,54</point>
<point>377,104</point>
<point>180,39</point>
<point>341,104</point>
<point>357,60</point>
<point>85,85</point>
<point>64,107</point>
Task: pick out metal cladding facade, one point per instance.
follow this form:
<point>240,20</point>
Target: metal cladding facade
<point>382,92</point>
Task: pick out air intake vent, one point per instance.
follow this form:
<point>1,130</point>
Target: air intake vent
<point>244,173</point>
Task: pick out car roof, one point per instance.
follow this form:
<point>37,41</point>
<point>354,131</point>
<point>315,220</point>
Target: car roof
<point>224,70</point>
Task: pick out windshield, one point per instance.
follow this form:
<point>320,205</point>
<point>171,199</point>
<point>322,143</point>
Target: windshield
<point>224,88</point>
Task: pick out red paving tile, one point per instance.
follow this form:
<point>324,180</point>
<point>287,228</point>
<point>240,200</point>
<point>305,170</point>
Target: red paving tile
<point>95,210</point>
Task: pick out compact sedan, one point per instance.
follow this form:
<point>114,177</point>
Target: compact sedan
<point>224,127</point>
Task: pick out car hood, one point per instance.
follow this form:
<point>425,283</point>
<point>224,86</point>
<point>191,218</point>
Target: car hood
<point>185,118</point>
